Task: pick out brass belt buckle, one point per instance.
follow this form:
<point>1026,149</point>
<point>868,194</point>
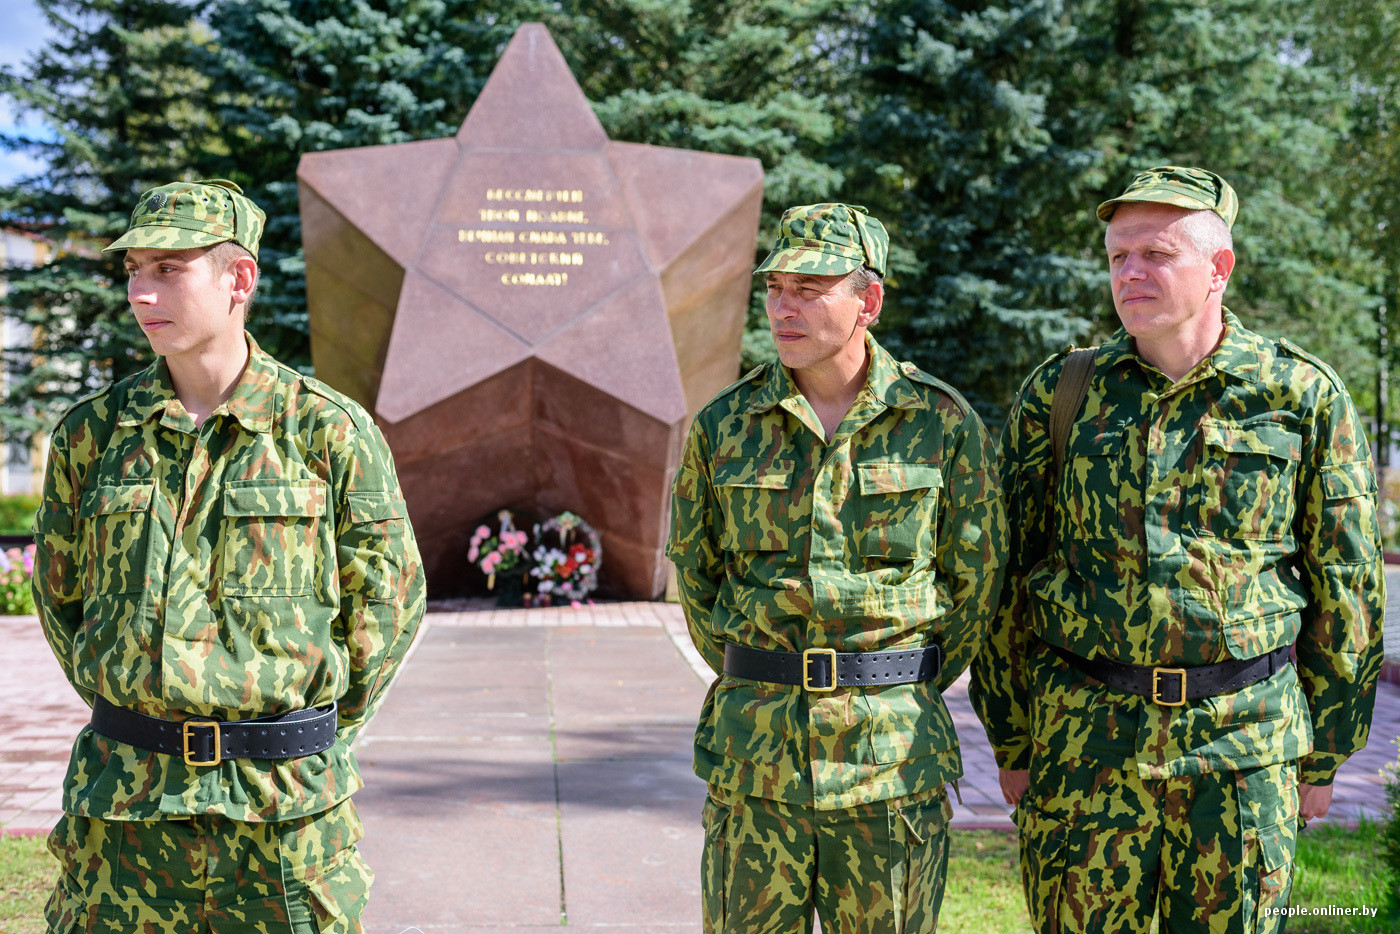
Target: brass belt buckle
<point>1157,674</point>
<point>807,671</point>
<point>185,734</point>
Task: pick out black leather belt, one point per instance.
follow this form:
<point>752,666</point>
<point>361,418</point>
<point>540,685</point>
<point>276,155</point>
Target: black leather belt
<point>1173,687</point>
<point>813,668</point>
<point>209,742</point>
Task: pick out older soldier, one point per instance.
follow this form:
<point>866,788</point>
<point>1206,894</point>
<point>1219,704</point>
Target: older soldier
<point>227,575</point>
<point>1216,505</point>
<point>838,536</point>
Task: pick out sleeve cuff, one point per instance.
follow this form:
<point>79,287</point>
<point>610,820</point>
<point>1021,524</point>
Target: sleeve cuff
<point>1319,768</point>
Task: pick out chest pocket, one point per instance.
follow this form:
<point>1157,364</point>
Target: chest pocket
<point>115,536</point>
<point>270,536</point>
<point>1087,499</point>
<point>756,496</point>
<point>899,510</point>
<point>1248,473</point>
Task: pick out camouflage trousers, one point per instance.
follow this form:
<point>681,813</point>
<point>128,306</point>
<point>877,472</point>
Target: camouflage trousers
<point>209,875</point>
<point>1103,850</point>
<point>872,869</point>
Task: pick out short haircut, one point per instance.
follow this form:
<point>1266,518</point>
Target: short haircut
<point>859,282</point>
<point>860,279</point>
<point>222,256</point>
<point>1208,233</point>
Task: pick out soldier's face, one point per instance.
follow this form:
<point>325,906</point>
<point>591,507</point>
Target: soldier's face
<point>1162,285</point>
<point>815,318</point>
<point>182,302</point>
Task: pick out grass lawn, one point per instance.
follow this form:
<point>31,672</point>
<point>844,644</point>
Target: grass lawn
<point>1344,869</point>
<point>1335,867</point>
<point>26,878</point>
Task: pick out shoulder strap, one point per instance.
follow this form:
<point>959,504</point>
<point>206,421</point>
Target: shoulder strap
<point>1070,390</point>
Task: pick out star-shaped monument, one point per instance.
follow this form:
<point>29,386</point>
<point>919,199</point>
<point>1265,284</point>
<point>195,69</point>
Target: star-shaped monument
<point>531,311</point>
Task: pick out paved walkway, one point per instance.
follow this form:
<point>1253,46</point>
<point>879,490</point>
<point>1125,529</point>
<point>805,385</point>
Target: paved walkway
<point>531,768</point>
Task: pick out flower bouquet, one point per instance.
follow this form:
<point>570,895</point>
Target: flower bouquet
<point>16,570</point>
<point>501,552</point>
<point>567,554</point>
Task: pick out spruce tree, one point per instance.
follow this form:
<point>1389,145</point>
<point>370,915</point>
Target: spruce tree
<point>298,76</point>
<point>119,104</point>
<point>747,78</point>
<point>955,151</point>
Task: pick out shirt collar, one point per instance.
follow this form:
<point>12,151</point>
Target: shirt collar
<point>251,402</point>
<point>1237,353</point>
<point>886,380</point>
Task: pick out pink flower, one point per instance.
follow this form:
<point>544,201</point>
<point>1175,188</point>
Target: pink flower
<point>489,563</point>
<point>472,552</point>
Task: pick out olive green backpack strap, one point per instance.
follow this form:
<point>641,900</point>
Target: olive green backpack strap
<point>1070,391</point>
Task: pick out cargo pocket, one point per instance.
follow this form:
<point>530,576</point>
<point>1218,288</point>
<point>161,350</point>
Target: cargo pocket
<point>374,528</point>
<point>899,509</point>
<point>714,863</point>
<point>1247,475</point>
<point>923,827</point>
<point>1044,842</point>
<point>270,533</point>
<point>326,880</point>
<point>114,524</point>
<point>88,851</point>
<point>756,496</point>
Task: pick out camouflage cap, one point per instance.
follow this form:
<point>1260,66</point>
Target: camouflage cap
<point>1193,189</point>
<point>186,215</point>
<point>827,240</point>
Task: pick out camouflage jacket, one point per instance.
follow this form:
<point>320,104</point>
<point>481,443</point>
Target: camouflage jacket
<point>891,535</point>
<point>259,564</point>
<point>1220,517</point>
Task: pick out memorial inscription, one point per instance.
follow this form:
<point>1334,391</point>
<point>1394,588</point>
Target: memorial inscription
<point>531,311</point>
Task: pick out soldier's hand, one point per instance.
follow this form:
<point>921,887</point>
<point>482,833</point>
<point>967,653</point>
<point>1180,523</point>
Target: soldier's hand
<point>1313,800</point>
<point>1014,783</point>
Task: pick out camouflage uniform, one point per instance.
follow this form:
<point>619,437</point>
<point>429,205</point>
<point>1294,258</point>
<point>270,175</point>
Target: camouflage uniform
<point>259,563</point>
<point>1222,516</point>
<point>890,535</point>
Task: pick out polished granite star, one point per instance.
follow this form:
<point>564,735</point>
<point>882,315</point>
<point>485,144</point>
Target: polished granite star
<point>531,311</point>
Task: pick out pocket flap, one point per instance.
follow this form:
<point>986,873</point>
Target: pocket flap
<point>1269,438</point>
<point>372,506</point>
<point>1273,850</point>
<point>106,500</point>
<point>275,498</point>
<point>754,474</point>
<point>54,519</point>
<point>1347,481</point>
<point>927,819</point>
<point>898,477</point>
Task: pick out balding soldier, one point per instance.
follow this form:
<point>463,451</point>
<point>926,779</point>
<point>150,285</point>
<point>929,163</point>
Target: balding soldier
<point>227,575</point>
<point>838,536</point>
<point>1216,504</point>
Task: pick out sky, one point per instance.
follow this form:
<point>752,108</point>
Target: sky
<point>24,32</point>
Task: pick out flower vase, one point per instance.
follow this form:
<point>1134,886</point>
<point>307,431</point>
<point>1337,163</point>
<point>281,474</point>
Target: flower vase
<point>510,588</point>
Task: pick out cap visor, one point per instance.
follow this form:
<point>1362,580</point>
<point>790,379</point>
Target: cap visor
<point>807,262</point>
<point>151,237</point>
<point>1105,210</point>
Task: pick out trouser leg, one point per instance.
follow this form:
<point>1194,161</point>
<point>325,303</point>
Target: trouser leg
<point>871,869</point>
<point>1089,848</point>
<point>1227,857</point>
<point>210,875</point>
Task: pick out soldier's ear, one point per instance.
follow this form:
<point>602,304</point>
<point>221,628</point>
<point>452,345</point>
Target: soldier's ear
<point>873,299</point>
<point>1221,266</point>
<point>245,278</point>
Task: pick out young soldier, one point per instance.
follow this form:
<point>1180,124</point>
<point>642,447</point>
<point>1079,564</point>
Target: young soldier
<point>1216,506</point>
<point>227,575</point>
<point>838,537</point>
